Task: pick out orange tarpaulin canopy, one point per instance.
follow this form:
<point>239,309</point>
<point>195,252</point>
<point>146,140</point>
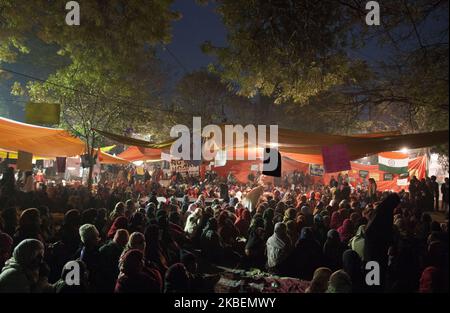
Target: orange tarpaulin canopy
<point>106,158</point>
<point>38,140</point>
<point>134,153</point>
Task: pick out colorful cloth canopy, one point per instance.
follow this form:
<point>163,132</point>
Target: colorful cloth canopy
<point>38,140</point>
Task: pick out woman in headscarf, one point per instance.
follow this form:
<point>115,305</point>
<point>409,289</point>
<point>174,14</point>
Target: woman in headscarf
<point>289,215</point>
<point>242,222</point>
<point>433,280</point>
<point>137,223</point>
<point>292,230</point>
<point>132,277</point>
<point>333,249</point>
<point>6,245</point>
<point>211,244</point>
<point>29,226</point>
<point>226,230</point>
<point>340,282</point>
<point>357,242</point>
<point>256,243</point>
<point>268,222</point>
<point>177,279</point>
<point>119,210</point>
<point>153,251</point>
<point>336,220</point>
<point>346,231</point>
<point>120,222</point>
<point>278,249</point>
<point>307,256</point>
<point>193,221</point>
<point>319,229</point>
<point>21,272</point>
<point>319,282</point>
<point>352,265</point>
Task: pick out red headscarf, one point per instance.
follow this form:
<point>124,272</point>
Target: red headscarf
<point>336,220</point>
<point>120,222</point>
<point>429,281</point>
<point>346,230</point>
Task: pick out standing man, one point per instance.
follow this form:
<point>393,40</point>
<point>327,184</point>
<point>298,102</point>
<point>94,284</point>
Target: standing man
<point>445,194</point>
<point>435,191</point>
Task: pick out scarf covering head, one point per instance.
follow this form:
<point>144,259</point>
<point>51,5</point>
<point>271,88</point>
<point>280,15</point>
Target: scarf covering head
<point>336,220</point>
<point>176,279</point>
<point>277,245</point>
<point>120,222</point>
<point>431,280</point>
<point>289,215</point>
<point>340,282</point>
<point>319,283</point>
<point>26,252</point>
<point>346,230</point>
<point>87,232</point>
<point>132,262</point>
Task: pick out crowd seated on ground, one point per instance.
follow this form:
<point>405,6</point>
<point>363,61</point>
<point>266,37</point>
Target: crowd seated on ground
<point>124,239</point>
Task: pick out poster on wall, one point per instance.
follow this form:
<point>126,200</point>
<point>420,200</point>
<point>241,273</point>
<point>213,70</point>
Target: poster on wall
<point>363,174</point>
<point>316,170</point>
<point>185,167</point>
<point>388,177</point>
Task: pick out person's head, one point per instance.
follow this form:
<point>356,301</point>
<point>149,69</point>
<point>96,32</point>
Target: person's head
<point>72,219</point>
<point>101,214</point>
<point>137,241</point>
<point>174,217</point>
<point>333,235</point>
<point>29,254</point>
<point>340,282</point>
<point>89,235</point>
<point>121,237</point>
<point>176,279</point>
<point>132,262</point>
<point>189,261</point>
<point>89,216</point>
<point>319,282</point>
<point>433,178</point>
<point>119,208</point>
<point>280,229</point>
<point>30,220</point>
<point>431,280</point>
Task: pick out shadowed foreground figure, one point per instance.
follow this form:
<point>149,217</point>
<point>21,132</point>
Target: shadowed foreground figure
<point>379,236</point>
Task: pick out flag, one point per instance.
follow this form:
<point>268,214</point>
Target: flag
<point>396,163</point>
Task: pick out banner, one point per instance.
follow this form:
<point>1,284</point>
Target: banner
<point>388,176</point>
<point>336,158</point>
<point>42,113</point>
<point>24,161</point>
<point>316,170</point>
<point>363,174</point>
<point>185,167</point>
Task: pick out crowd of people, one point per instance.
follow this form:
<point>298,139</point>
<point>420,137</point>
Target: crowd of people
<point>140,236</point>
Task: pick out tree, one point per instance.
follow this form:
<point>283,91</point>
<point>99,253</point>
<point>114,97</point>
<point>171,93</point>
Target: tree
<point>112,80</point>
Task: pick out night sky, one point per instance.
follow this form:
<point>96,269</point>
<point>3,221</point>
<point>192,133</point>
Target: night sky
<point>198,24</point>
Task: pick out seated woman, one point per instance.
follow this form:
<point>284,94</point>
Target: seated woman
<point>177,279</point>
<point>132,277</point>
<point>22,272</point>
<point>278,249</point>
<point>210,242</point>
<point>319,282</point>
<point>256,244</point>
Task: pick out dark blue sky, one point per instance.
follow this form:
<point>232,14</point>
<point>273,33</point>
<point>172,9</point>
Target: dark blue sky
<point>198,24</point>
